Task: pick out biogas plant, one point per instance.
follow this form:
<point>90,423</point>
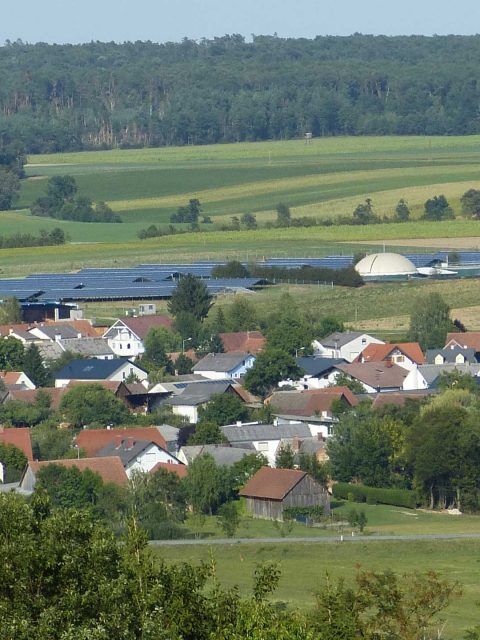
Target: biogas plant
<point>379,267</point>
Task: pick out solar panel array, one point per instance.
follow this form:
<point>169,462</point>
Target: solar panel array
<point>155,281</point>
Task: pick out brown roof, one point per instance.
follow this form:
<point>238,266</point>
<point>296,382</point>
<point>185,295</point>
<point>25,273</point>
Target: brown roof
<point>245,395</point>
<point>30,395</point>
<point>247,341</point>
<point>92,440</point>
<point>379,352</point>
<point>110,469</point>
<point>180,469</point>
<point>379,375</point>
<point>110,385</point>
<point>142,325</point>
<point>397,398</point>
<point>272,484</point>
<point>309,402</point>
<point>81,326</point>
<point>6,329</point>
<point>173,355</point>
<point>20,437</point>
<point>10,377</point>
<point>469,339</point>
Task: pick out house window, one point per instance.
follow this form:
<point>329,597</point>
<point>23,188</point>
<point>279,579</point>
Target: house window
<point>128,345</point>
<point>399,359</point>
<point>364,341</point>
<point>263,446</point>
<point>120,346</point>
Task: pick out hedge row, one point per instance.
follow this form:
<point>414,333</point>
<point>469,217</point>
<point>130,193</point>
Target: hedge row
<point>372,495</point>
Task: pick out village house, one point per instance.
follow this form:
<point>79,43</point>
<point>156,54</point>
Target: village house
<point>265,438</point>
<point>223,455</point>
<point>18,437</point>
<point>137,455</point>
<point>347,345</point>
<point>467,339</point>
<point>376,376</point>
<point>246,341</point>
<point>270,491</point>
<point>93,370</point>
<point>318,373</point>
<point>109,469</point>
<point>453,354</point>
<point>87,347</point>
<point>427,376</point>
<point>312,407</point>
<point>16,379</point>
<point>126,336</point>
<point>221,366</point>
<point>405,354</point>
<point>92,441</point>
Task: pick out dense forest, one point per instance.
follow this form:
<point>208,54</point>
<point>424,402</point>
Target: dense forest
<point>101,95</point>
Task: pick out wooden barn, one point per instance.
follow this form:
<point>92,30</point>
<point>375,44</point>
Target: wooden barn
<point>270,491</point>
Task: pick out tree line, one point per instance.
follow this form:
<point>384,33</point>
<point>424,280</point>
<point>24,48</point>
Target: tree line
<point>101,95</point>
<point>44,239</point>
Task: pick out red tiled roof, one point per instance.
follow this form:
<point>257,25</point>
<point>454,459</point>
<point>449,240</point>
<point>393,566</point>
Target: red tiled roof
<point>397,398</point>
<point>470,339</point>
<point>142,325</point>
<point>30,395</point>
<point>81,326</point>
<point>6,329</point>
<point>173,355</point>
<point>20,437</point>
<point>10,377</point>
<point>272,484</point>
<point>309,402</point>
<point>92,440</point>
<point>110,385</point>
<point>180,469</point>
<point>247,341</point>
<point>110,469</point>
<point>380,352</point>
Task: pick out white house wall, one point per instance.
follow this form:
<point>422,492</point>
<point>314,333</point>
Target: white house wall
<point>148,459</point>
<point>348,351</point>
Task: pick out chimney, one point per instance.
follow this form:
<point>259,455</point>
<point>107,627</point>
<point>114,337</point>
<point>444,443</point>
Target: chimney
<point>79,335</point>
<point>118,442</point>
<point>130,443</point>
<point>296,444</point>
<point>239,423</point>
<point>58,337</point>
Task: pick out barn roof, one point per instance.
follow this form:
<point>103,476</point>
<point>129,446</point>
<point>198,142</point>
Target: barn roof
<point>272,484</point>
<point>109,469</point>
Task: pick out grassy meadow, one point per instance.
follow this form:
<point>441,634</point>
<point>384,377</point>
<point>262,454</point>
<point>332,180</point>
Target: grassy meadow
<point>304,568</point>
<point>325,178</point>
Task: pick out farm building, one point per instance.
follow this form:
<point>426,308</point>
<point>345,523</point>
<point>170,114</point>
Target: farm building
<point>270,491</point>
<point>385,266</point>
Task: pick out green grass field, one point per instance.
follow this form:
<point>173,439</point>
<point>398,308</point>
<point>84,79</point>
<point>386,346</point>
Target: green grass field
<point>304,567</point>
<point>326,178</point>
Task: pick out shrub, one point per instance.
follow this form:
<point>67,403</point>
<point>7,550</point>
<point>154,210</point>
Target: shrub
<point>372,495</point>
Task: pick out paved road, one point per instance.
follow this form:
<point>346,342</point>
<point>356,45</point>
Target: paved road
<point>319,540</point>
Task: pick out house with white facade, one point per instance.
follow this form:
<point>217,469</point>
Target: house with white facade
<point>347,345</point>
<point>265,438</point>
<point>16,379</point>
<point>406,354</point>
<point>125,337</point>
<point>427,376</point>
<point>186,399</point>
<point>137,455</point>
<point>317,373</point>
<point>375,376</point>
<point>93,370</point>
<point>451,355</point>
<point>221,366</point>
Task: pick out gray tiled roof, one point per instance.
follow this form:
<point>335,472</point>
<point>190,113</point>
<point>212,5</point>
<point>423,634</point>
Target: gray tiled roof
<point>221,455</point>
<point>197,393</point>
<point>433,371</point>
<point>249,433</point>
<point>64,330</point>
<point>340,339</point>
<point>221,361</point>
<point>125,454</point>
<point>316,366</point>
<point>449,354</point>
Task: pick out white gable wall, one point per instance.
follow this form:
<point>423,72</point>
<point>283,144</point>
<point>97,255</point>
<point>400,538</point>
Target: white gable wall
<point>348,351</point>
<point>151,456</point>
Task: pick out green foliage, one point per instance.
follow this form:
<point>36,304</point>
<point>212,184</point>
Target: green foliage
<point>51,443</point>
<point>248,220</point>
<point>318,470</point>
<point>69,487</point>
<point>357,519</point>
<point>284,458</point>
<point>328,325</point>
<point>183,365</point>
<point>232,269</point>
<point>342,379</point>
<point>368,448</point>
<point>402,211</point>
<point>362,493</point>
<point>207,485</point>
<point>457,380</point>
<point>241,471</point>
<point>364,213</point>
<point>159,500</point>
<point>437,208</point>
<point>190,296</point>
<point>290,333</point>
<point>188,214</point>
<point>284,216</point>
<point>470,202</point>
<point>33,366</point>
<point>9,188</point>
<point>314,513</point>
<point>430,321</point>
<point>155,356</point>
<point>229,518</point>
<point>14,462</point>
<point>88,404</point>
<point>241,315</point>
<point>207,433</point>
<point>11,354</point>
<point>224,408</point>
<point>10,311</point>
<point>270,367</point>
